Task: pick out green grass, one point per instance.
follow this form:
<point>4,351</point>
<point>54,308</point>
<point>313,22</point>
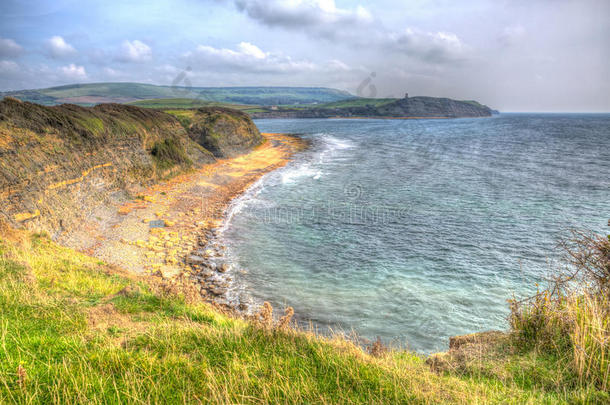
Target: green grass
<point>571,321</point>
<point>169,153</point>
<point>73,330</point>
<point>180,103</point>
<point>357,102</point>
<point>120,92</point>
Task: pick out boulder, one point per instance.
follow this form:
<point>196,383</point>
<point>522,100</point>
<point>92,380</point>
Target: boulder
<point>216,290</point>
<point>194,259</point>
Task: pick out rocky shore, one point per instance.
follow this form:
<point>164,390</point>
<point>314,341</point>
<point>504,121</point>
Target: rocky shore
<point>141,189</point>
<point>170,230</point>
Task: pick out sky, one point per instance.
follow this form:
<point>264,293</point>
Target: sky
<point>534,55</point>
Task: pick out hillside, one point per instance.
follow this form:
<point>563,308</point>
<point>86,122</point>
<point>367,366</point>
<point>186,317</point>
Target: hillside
<point>77,331</point>
<point>56,163</point>
<point>412,107</point>
<point>95,93</point>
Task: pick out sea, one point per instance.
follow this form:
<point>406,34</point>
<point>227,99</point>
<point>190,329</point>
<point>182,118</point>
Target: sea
<point>413,231</point>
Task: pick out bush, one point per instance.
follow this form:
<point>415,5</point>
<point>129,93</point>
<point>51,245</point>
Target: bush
<point>169,153</point>
<point>572,317</point>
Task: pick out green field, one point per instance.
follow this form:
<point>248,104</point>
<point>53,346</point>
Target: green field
<point>180,103</point>
<point>171,103</point>
<point>357,102</point>
<point>94,93</point>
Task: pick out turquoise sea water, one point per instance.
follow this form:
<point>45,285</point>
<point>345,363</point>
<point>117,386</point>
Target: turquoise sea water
<point>417,230</point>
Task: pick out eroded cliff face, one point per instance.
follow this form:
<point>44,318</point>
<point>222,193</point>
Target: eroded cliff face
<point>59,164</point>
<point>223,131</point>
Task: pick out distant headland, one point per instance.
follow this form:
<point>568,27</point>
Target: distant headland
<point>258,102</point>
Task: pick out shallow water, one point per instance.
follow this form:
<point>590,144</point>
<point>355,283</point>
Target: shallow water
<point>417,230</point>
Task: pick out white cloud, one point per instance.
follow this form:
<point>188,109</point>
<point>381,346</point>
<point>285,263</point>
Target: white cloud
<point>73,72</point>
<point>355,27</point>
<point>512,34</point>
<point>8,67</point>
<point>57,47</point>
<point>9,48</point>
<point>337,65</point>
<point>246,57</point>
<point>320,15</point>
<point>428,46</point>
<point>252,50</point>
<point>248,65</point>
<point>111,72</point>
<point>135,51</point>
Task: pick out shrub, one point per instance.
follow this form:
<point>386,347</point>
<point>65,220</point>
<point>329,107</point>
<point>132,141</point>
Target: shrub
<point>572,317</point>
<point>169,153</point>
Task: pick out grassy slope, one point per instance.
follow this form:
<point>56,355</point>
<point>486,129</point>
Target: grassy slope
<point>188,103</point>
<point>73,330</point>
<point>233,95</point>
<point>357,102</point>
<point>194,103</point>
<point>135,90</point>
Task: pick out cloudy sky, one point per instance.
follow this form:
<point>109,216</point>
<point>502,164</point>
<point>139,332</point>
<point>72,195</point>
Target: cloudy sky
<point>519,55</point>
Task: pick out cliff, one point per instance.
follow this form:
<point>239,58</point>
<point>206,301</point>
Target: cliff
<point>413,107</point>
<point>58,163</point>
<point>223,131</point>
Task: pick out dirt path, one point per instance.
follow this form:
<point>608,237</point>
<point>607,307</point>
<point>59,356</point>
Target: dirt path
<point>166,229</point>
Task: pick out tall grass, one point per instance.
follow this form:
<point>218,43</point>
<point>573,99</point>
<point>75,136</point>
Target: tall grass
<point>572,317</point>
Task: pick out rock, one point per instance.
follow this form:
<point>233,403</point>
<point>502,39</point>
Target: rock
<point>223,268</point>
<point>438,362</point>
<point>455,342</point>
<point>156,224</point>
<point>205,273</point>
<point>194,259</point>
<point>163,273</point>
<point>242,306</point>
<point>218,290</point>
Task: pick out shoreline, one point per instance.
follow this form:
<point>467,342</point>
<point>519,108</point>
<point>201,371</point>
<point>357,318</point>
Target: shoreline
<point>170,229</point>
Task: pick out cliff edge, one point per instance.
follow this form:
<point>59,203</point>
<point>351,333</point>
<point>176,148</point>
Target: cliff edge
<point>58,163</point>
